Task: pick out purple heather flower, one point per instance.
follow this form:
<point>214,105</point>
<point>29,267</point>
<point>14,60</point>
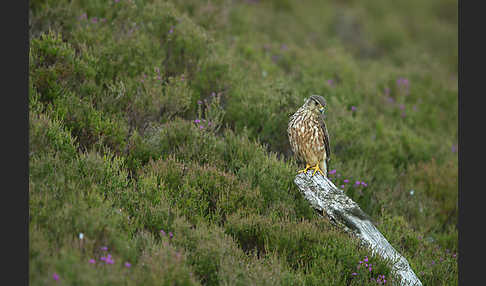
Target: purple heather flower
<point>360,262</point>
<point>364,184</point>
<point>402,81</point>
<point>195,121</point>
<point>83,16</point>
<point>330,82</point>
<point>387,90</point>
<point>366,259</point>
<point>92,261</point>
<point>199,102</point>
<point>128,265</point>
<point>94,20</point>
<point>141,80</point>
<point>213,94</point>
<point>342,186</point>
<point>346,181</point>
<point>357,184</point>
<point>103,258</point>
<point>209,123</point>
<point>369,268</point>
<point>332,172</point>
<point>162,231</point>
<point>390,99</point>
<point>109,260</point>
<point>353,108</point>
<point>354,273</point>
<point>454,148</point>
<point>104,248</point>
<point>55,276</point>
<point>402,106</point>
<point>171,30</point>
<point>103,20</point>
<point>284,47</point>
<point>201,127</point>
<point>170,234</point>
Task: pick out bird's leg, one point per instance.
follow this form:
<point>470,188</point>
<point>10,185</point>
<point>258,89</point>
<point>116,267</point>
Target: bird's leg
<point>307,166</point>
<point>316,168</point>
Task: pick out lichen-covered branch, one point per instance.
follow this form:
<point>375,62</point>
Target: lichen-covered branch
<point>324,196</point>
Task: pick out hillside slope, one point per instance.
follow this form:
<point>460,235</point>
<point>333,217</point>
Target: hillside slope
<point>158,152</point>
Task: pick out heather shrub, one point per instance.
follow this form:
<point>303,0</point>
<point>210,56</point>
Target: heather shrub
<point>158,151</point>
<point>54,67</point>
<point>307,246</point>
<point>217,258</point>
<point>49,136</point>
<point>90,126</point>
<point>201,192</point>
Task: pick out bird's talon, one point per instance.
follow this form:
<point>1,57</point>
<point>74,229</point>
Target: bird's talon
<point>316,168</point>
<point>305,170</point>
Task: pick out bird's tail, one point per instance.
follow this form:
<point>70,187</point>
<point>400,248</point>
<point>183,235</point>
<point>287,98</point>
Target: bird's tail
<point>323,166</point>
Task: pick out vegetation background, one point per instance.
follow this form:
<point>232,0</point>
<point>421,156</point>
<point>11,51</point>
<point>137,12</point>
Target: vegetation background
<point>158,152</point>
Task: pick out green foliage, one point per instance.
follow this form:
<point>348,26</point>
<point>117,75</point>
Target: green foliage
<point>49,136</point>
<point>158,129</point>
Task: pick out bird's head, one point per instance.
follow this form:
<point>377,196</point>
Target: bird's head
<point>316,103</point>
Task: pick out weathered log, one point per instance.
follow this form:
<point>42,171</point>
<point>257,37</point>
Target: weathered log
<point>325,197</point>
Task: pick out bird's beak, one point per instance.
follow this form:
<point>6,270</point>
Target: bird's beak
<point>321,109</point>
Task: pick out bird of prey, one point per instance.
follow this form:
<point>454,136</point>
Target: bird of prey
<point>308,135</point>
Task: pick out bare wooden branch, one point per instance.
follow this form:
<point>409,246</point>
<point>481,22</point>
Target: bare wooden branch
<point>324,196</point>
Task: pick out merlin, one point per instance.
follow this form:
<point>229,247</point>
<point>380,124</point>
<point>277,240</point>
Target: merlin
<point>308,135</point>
